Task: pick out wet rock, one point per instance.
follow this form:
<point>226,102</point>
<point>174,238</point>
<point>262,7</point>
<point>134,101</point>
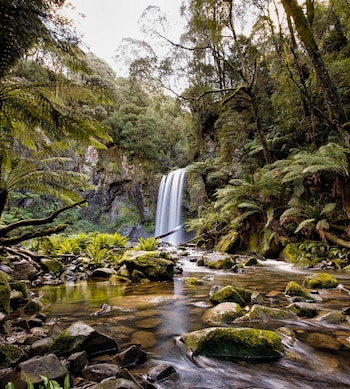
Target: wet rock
<point>234,343</point>
<point>323,341</point>
<point>105,308</point>
<point>77,362</point>
<point>256,298</point>
<point>100,371</point>
<point>193,281</point>
<point>218,260</point>
<point>34,369</point>
<point>116,383</point>
<point>223,313</point>
<point>320,280</point>
<point>145,338</point>
<point>80,336</point>
<point>23,270</point>
<point>295,289</point>
<point>131,357</point>
<point>251,261</point>
<point>333,317</point>
<point>160,372</point>
<point>152,264</point>
<point>303,309</point>
<point>103,273</point>
<point>231,294</point>
<point>264,313</point>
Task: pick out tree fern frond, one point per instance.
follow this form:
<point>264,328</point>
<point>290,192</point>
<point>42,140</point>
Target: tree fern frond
<point>305,223</point>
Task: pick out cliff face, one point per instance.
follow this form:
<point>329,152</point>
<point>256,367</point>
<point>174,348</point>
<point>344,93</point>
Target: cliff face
<point>125,196</point>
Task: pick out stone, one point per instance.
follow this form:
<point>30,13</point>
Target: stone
<point>252,261</point>
<point>323,341</point>
<point>160,372</point>
<point>264,313</point>
<point>145,338</point>
<point>231,294</point>
<point>23,270</point>
<point>151,264</point>
<point>80,336</point>
<point>41,346</point>
<point>223,313</point>
<point>131,357</point>
<point>193,281</point>
<point>256,298</point>
<point>303,309</point>
<point>332,317</point>
<point>10,355</point>
<point>234,343</point>
<point>100,371</point>
<point>34,369</point>
<point>116,383</point>
<point>77,361</point>
<point>103,273</point>
<point>217,260</point>
<point>320,280</point>
<point>295,289</point>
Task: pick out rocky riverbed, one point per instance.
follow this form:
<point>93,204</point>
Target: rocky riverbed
<point>33,345</point>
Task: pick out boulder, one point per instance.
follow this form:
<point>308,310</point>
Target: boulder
<point>77,362</point>
<point>23,270</point>
<point>332,317</point>
<point>80,336</point>
<point>320,280</point>
<point>10,355</point>
<point>100,371</point>
<point>264,313</point>
<point>151,264</point>
<point>234,343</point>
<point>103,273</point>
<point>35,369</point>
<point>295,289</point>
<point>303,309</point>
<point>130,357</point>
<point>323,341</point>
<point>160,372</point>
<point>221,314</point>
<point>218,260</point>
<point>231,294</point>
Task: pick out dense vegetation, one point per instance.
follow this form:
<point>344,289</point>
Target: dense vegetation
<point>263,120</point>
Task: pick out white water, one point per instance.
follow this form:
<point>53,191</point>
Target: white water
<point>169,207</point>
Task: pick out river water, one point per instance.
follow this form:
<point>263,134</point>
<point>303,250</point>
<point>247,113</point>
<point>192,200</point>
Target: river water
<point>155,314</point>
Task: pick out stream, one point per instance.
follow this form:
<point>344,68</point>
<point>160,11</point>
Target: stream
<point>155,314</point>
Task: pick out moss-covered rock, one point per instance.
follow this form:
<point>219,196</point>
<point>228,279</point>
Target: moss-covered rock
<point>295,289</point>
<point>290,253</point>
<point>221,314</point>
<point>320,280</point>
<point>303,309</point>
<point>5,291</point>
<point>51,265</point>
<point>232,294</point>
<point>193,281</point>
<point>151,263</point>
<point>227,242</point>
<point>264,313</point>
<point>218,260</point>
<point>252,261</point>
<point>234,343</point>
<point>10,355</point>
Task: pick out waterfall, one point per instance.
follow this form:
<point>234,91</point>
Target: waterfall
<point>169,207</point>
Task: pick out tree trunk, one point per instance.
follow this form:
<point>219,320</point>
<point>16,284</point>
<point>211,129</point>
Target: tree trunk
<point>294,10</point>
<point>3,199</point>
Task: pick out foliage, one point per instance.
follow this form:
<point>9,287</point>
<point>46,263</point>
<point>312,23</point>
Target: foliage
<point>149,244</point>
<point>47,384</point>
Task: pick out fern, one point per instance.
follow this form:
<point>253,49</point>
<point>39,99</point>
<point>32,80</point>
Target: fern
<point>149,244</point>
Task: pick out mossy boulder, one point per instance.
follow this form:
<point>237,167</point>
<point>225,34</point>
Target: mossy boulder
<point>5,291</point>
<point>303,309</point>
<point>10,355</point>
<point>151,263</point>
<point>294,289</point>
<point>320,280</point>
<point>251,261</point>
<point>234,343</point>
<point>218,260</point>
<point>264,313</point>
<point>227,242</point>
<point>193,281</point>
<point>52,265</point>
<point>232,294</point>
<point>224,313</point>
<point>290,253</point>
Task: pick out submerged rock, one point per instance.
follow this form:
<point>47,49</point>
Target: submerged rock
<point>160,372</point>
<point>235,343</point>
<point>323,341</point>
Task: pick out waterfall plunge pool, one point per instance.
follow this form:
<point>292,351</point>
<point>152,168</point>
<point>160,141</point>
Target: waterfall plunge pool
<point>155,314</point>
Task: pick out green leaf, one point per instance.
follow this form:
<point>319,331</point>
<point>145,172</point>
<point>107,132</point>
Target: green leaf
<point>328,208</point>
<point>305,223</point>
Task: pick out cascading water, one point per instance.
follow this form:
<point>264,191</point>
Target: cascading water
<point>169,208</point>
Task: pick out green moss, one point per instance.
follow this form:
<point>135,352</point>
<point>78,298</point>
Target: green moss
<point>227,242</point>
<point>261,312</point>
<point>9,354</point>
<point>65,343</point>
<point>235,343</point>
<point>53,266</point>
<point>193,281</point>
<point>231,294</point>
<point>295,289</point>
<point>21,286</point>
<point>4,293</point>
<point>290,253</point>
<point>252,261</point>
<point>320,280</point>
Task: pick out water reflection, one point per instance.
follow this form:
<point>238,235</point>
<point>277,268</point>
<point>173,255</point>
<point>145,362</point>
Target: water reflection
<point>154,314</point>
